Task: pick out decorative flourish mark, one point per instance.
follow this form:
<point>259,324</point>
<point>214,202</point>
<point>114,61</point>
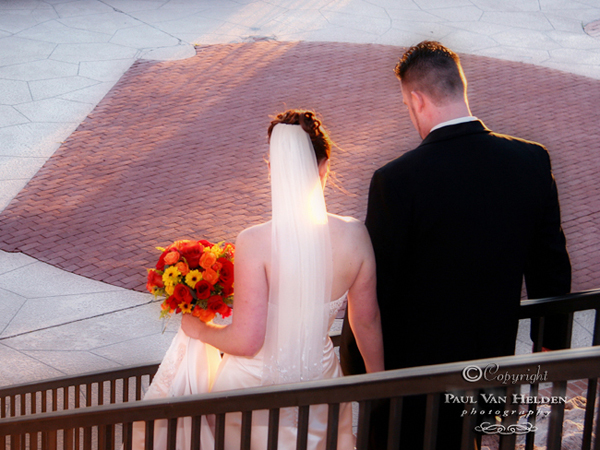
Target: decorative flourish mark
<point>516,428</point>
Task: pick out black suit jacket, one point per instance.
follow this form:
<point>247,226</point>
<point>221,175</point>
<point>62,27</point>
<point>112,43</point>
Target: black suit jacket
<point>455,225</point>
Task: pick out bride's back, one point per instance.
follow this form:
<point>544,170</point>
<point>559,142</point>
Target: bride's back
<point>350,245</point>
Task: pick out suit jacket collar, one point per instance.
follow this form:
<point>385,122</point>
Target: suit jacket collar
<point>453,131</point>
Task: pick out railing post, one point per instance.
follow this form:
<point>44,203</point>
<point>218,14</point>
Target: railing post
<point>273,432</point>
<point>508,442</point>
<point>127,436</point>
<point>364,422</point>
<point>394,429</point>
<point>220,431</point>
<point>149,434</point>
<point>196,430</point>
<point>302,438</point>
<point>431,421</point>
<point>557,414</point>
<point>470,440</point>
<point>247,430</point>
<point>333,420</point>
<point>172,434</point>
<point>589,413</point>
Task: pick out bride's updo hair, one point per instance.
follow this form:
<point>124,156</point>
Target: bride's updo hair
<point>309,123</point>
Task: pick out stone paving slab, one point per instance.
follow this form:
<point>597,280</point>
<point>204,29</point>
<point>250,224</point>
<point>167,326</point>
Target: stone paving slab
<point>176,150</point>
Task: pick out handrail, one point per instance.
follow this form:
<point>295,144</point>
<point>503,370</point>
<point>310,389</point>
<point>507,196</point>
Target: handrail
<point>577,301</point>
<point>561,365</point>
<point>87,378</point>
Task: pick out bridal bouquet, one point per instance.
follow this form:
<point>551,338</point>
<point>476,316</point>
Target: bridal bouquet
<point>195,277</point>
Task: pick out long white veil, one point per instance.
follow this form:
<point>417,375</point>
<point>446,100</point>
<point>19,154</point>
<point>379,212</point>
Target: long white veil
<point>301,262</point>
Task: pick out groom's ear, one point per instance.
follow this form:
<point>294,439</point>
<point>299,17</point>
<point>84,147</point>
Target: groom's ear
<point>418,100</point>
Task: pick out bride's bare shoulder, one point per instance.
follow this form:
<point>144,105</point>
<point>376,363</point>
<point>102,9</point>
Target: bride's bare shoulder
<point>347,226</point>
<point>255,234</point>
<point>345,222</point>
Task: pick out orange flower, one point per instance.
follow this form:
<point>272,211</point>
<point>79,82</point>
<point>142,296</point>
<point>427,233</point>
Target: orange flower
<point>172,257</point>
<point>183,268</point>
<point>204,315</point>
<point>210,276</point>
<point>207,260</point>
<point>154,280</point>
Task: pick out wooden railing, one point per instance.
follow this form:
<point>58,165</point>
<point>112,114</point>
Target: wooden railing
<point>97,410</point>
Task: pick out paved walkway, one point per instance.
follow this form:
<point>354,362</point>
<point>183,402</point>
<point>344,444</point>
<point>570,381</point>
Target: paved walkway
<point>144,138</point>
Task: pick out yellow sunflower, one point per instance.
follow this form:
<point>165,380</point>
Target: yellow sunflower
<point>171,277</point>
<point>185,307</point>
<point>193,277</point>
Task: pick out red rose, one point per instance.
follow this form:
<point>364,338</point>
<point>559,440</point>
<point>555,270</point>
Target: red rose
<point>172,302</point>
<point>227,290</point>
<point>216,304</point>
<point>226,274</point>
<point>154,281</point>
<point>203,289</point>
<point>225,311</point>
<point>182,294</point>
<point>191,251</point>
<point>205,243</point>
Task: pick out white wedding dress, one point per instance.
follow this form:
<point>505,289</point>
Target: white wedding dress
<point>300,313</point>
<point>192,367</point>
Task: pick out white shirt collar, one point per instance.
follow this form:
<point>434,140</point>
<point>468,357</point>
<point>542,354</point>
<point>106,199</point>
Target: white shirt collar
<point>455,122</point>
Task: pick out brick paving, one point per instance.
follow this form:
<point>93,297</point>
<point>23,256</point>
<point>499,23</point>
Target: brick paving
<point>176,150</point>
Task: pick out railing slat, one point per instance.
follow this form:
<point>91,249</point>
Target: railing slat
<point>557,414</point>
<point>127,436</point>
<point>302,436</point>
<point>470,440</point>
<point>125,390</point>
<point>273,433</point>
<point>109,441</point>
<point>196,430</point>
<point>431,421</point>
<point>394,429</point>
<point>364,421</point>
<point>66,393</point>
<point>44,400</point>
<point>68,438</point>
<point>596,334</point>
<point>113,391</point>
<point>333,420</point>
<point>589,413</point>
<point>220,432</point>
<point>54,399</point>
<point>507,442</point>
<point>149,435</point>
<point>172,434</point>
<point>23,410</point>
<point>101,392</point>
<point>138,387</point>
<point>246,434</point>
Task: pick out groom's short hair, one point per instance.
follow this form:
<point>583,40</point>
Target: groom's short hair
<point>431,68</point>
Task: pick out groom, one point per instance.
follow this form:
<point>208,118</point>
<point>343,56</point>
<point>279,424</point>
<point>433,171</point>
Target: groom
<point>456,224</point>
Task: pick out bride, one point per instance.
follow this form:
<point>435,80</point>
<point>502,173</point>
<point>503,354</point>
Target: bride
<point>292,275</point>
